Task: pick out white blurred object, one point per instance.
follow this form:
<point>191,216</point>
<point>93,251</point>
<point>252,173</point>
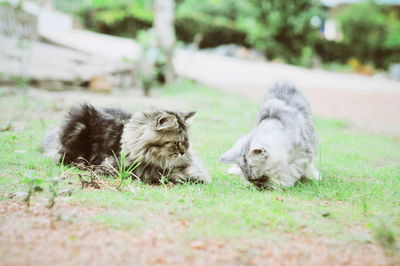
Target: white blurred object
<point>394,72</point>
<point>331,30</point>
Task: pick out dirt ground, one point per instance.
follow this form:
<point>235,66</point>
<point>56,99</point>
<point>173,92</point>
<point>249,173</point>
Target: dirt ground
<point>44,237</point>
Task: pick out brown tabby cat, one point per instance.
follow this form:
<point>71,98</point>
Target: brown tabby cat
<point>157,138</point>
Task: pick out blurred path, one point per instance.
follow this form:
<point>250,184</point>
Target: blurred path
<point>369,103</point>
<point>110,47</point>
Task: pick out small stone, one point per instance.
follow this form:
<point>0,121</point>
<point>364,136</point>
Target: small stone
<point>198,244</point>
<point>99,84</point>
<point>278,198</point>
<point>325,214</point>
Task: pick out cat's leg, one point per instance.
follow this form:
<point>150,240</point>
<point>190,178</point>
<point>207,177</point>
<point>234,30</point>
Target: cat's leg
<point>193,172</point>
<point>108,166</point>
<point>312,172</point>
<point>288,176</point>
<point>286,180</point>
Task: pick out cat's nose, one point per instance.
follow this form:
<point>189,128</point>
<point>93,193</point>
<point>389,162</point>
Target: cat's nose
<point>181,152</point>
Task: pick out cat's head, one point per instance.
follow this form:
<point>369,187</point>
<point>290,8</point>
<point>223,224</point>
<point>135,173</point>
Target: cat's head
<point>260,163</point>
<point>159,137</point>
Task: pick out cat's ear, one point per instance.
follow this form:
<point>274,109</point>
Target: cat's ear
<point>233,155</point>
<point>167,122</point>
<point>258,153</point>
<point>188,116</point>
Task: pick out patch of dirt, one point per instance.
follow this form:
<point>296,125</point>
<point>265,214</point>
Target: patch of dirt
<point>35,237</point>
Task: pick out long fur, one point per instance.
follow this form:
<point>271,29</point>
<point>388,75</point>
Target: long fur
<point>155,138</point>
<point>281,146</point>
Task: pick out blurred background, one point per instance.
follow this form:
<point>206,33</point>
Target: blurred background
<point>344,54</point>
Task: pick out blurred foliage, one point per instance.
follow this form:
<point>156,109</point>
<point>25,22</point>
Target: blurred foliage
<point>212,20</point>
<point>210,34</point>
<point>280,29</point>
<point>222,12</point>
<point>120,17</point>
<point>332,51</point>
<point>366,20</point>
<point>371,33</point>
<point>114,11</point>
<point>127,18</point>
<point>393,29</point>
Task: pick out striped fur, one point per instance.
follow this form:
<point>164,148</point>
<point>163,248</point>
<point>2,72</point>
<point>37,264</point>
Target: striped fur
<point>157,138</point>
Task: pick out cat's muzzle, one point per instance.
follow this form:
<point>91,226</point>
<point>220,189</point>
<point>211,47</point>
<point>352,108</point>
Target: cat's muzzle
<point>261,182</point>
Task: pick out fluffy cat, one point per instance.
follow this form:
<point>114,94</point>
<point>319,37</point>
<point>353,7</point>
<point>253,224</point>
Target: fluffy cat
<point>280,148</point>
<point>157,138</point>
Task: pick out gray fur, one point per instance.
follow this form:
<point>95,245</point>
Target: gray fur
<point>280,148</point>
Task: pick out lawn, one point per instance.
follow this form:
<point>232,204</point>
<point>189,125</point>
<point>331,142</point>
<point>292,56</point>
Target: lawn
<point>357,203</point>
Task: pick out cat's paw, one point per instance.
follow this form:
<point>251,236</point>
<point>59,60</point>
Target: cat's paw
<point>203,178</point>
<point>313,173</point>
<point>177,179</point>
<point>235,170</point>
<point>316,175</point>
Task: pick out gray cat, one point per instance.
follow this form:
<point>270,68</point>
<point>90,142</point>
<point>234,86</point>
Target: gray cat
<point>157,138</point>
<point>280,148</point>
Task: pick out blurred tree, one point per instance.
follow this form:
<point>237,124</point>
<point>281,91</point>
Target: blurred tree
<point>165,34</point>
<point>280,28</point>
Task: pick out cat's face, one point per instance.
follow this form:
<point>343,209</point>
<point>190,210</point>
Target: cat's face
<point>260,164</point>
<point>171,140</point>
<point>159,137</point>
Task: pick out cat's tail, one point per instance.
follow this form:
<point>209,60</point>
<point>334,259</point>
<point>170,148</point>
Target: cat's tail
<point>283,90</point>
<point>283,100</point>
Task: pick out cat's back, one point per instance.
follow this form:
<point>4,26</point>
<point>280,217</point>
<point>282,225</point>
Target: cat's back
<point>92,133</point>
<point>291,96</point>
<point>286,104</point>
<point>118,114</point>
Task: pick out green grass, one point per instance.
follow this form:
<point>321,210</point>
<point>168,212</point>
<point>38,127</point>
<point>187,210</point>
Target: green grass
<point>361,178</point>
